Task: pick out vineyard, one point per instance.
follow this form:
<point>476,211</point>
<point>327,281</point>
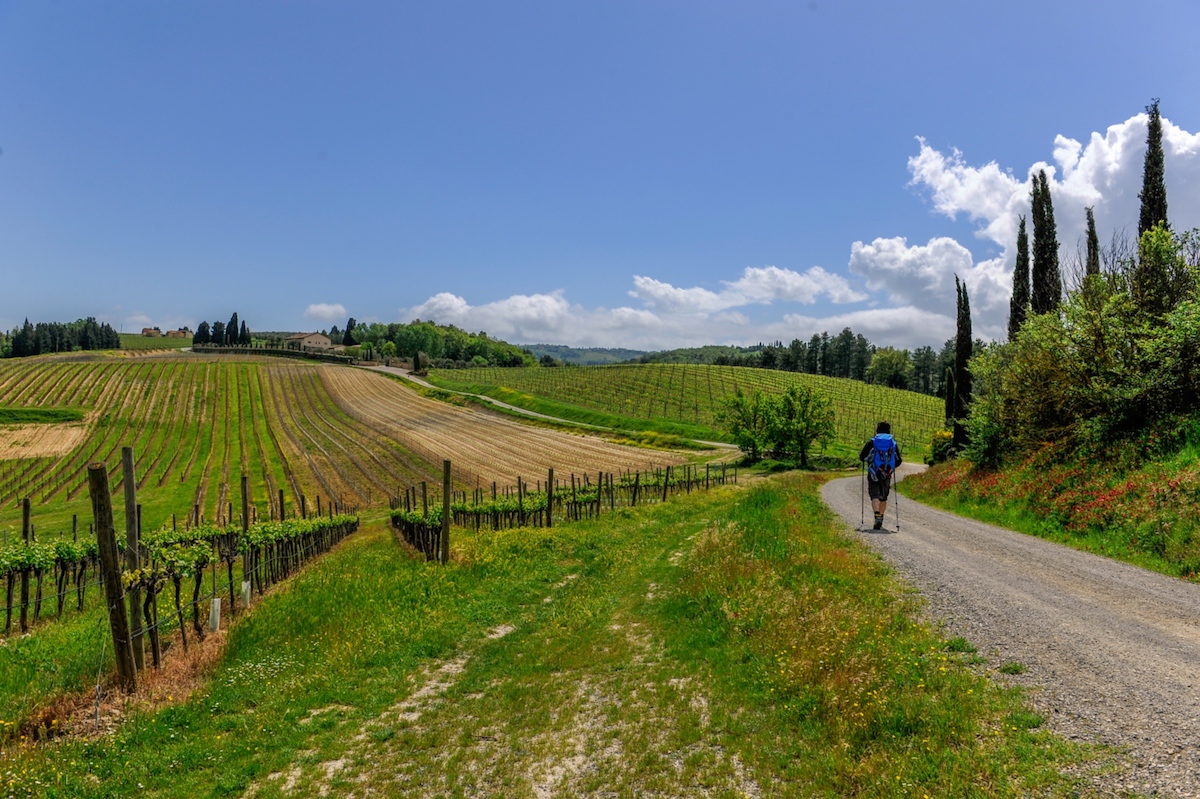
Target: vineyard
<point>691,394</point>
<point>298,431</point>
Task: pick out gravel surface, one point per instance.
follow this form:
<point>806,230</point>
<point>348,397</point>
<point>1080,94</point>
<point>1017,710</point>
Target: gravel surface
<point>1112,651</point>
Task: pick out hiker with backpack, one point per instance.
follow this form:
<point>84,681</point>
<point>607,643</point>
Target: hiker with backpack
<point>881,454</point>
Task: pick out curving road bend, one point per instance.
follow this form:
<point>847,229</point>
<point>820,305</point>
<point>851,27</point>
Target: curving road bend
<point>1112,651</point>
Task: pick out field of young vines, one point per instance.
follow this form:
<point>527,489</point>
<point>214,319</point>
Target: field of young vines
<point>197,424</point>
<point>691,394</point>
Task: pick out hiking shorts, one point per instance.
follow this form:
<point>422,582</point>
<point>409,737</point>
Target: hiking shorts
<point>878,489</point>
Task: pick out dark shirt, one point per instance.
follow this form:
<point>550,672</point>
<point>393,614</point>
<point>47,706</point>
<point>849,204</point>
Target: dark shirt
<point>870,445</point>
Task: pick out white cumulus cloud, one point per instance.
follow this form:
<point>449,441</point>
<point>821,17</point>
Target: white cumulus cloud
<point>757,286</point>
<point>326,312</point>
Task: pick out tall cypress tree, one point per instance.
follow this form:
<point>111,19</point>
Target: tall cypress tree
<point>1047,284</point>
<point>1154,181</point>
<point>1093,246</point>
<point>962,356</point>
<point>1018,306</point>
<point>231,331</point>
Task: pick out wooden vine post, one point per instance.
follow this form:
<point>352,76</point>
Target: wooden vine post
<point>245,540</point>
<point>550,499</point>
<point>445,553</point>
<point>26,536</point>
<point>110,568</point>
<point>132,559</point>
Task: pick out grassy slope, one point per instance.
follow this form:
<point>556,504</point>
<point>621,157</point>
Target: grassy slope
<point>727,640</point>
<point>136,341</point>
<point>682,399</point>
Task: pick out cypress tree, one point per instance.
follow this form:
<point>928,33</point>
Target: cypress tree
<point>348,338</point>
<point>962,356</point>
<point>231,331</point>
<point>1018,307</point>
<point>1154,182</point>
<point>1047,284</point>
<point>244,335</point>
<point>1093,246</point>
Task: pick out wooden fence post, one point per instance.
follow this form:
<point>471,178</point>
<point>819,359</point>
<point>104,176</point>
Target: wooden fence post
<point>132,557</point>
<point>550,499</point>
<point>110,567</point>
<point>245,531</point>
<point>445,558</point>
<point>26,535</point>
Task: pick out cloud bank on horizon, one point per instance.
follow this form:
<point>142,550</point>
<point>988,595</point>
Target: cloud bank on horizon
<point>894,292</point>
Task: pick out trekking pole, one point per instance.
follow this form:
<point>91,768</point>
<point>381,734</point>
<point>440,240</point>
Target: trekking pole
<point>896,480</point>
<point>862,497</point>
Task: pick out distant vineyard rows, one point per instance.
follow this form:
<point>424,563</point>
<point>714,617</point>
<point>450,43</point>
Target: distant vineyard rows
<point>197,424</point>
<point>692,394</point>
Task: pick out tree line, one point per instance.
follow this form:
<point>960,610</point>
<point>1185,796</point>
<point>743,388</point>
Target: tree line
<point>233,334</point>
<point>47,337</point>
<point>443,346</point>
<point>847,354</point>
<point>1109,353</point>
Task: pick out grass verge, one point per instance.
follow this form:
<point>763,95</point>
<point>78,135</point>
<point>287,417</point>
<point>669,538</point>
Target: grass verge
<point>39,415</point>
<point>732,642</point>
<point>586,416</point>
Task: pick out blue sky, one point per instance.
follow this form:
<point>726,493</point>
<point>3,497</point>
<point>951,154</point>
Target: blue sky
<point>646,174</point>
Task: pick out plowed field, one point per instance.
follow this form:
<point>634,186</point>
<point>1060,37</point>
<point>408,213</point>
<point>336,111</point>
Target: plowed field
<point>479,443</point>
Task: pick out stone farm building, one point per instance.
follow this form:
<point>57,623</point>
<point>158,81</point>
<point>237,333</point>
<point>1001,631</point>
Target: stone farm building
<point>306,341</point>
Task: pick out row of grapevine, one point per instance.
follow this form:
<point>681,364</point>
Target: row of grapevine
<point>273,550</point>
<point>269,552</point>
<point>196,424</point>
<point>419,521</point>
<point>693,393</point>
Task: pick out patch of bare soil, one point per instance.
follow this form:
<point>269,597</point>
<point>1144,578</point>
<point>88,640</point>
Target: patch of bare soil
<point>481,442</point>
<point>40,440</point>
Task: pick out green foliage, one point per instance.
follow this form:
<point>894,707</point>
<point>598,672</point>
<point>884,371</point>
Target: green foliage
<point>1161,278</point>
<point>787,424</point>
<point>987,434</point>
<point>941,447</point>
<point>47,337</point>
<point>745,418</point>
<point>798,418</point>
<point>1153,211</point>
<point>1092,264</point>
<point>1046,281</point>
<point>39,415</point>
<point>890,367</point>
<point>964,347</point>
<point>1018,307</point>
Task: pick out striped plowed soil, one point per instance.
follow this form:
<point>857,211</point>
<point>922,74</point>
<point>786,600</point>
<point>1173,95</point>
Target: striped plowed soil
<point>491,446</point>
<point>40,440</point>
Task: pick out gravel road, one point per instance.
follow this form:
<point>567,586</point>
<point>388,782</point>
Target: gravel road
<point>1112,651</point>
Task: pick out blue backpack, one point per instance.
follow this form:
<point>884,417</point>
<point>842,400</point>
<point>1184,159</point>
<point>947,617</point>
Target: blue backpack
<point>883,458</point>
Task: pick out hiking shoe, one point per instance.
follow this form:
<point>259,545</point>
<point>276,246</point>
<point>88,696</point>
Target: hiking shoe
<point>878,524</point>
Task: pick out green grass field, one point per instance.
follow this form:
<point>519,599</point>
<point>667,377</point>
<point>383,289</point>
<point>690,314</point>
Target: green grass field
<point>735,640</point>
<point>136,341</point>
<point>682,399</point>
